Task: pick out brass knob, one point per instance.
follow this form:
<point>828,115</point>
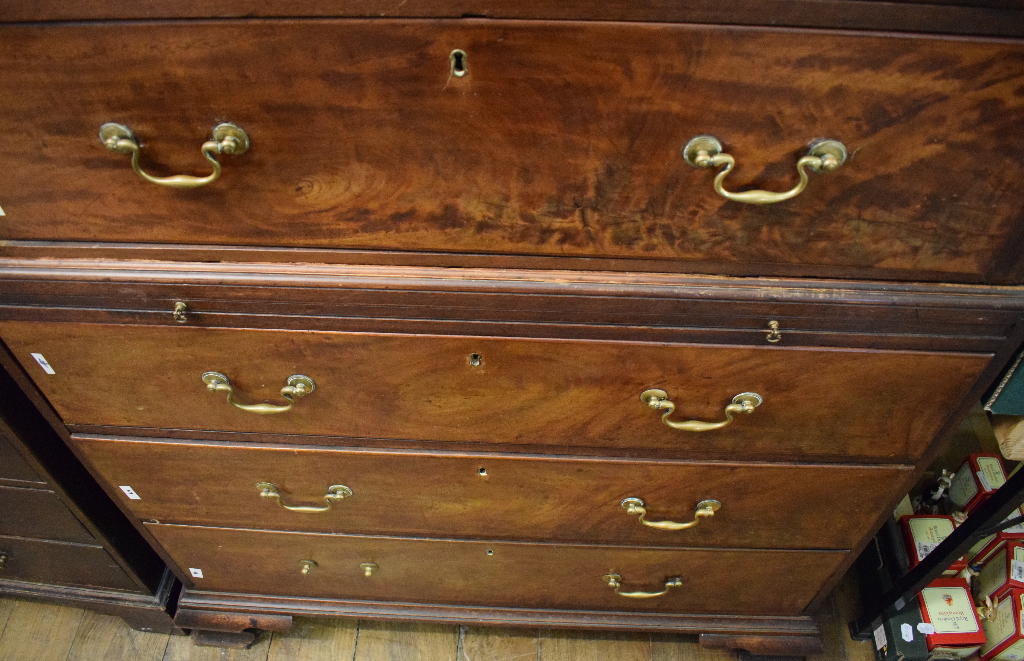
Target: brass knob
<point>308,566</point>
<point>369,569</point>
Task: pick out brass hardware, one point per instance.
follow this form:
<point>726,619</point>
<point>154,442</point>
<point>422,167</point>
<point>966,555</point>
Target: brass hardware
<point>368,569</point>
<point>298,385</point>
<point>614,581</point>
<point>227,139</point>
<point>308,566</point>
<point>482,472</point>
<point>458,63</point>
<point>705,151</point>
<point>179,312</point>
<point>774,334</point>
<point>704,508</point>
<point>475,359</point>
<point>745,402</point>
<point>334,492</point>
<point>3,560</point>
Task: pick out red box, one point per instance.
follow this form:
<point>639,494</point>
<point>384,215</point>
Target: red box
<point>947,606</point>
<point>977,479</point>
<point>922,533</point>
<point>1004,632</point>
<point>1002,570</point>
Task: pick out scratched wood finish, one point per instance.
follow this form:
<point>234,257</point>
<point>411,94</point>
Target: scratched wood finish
<point>548,576</point>
<point>563,140</point>
<point>493,496</point>
<point>843,404</point>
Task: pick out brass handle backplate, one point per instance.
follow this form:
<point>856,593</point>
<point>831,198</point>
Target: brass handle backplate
<point>334,492</point>
<point>227,139</point>
<point>705,151</point>
<point>614,581</point>
<point>704,508</point>
<point>745,402</point>
<point>297,385</point>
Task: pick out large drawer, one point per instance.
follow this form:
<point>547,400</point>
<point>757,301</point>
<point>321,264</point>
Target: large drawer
<point>562,140</point>
<point>38,513</point>
<point>43,561</point>
<point>499,573</point>
<point>829,403</point>
<point>493,496</point>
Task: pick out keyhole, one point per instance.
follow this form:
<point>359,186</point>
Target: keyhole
<point>458,58</point>
<point>475,359</point>
<point>490,552</point>
<point>483,472</point>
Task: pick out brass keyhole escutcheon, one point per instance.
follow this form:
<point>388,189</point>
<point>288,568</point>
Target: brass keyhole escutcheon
<point>369,569</point>
<point>458,63</point>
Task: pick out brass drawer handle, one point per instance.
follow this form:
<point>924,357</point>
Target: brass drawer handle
<point>3,560</point>
<point>614,581</point>
<point>745,402</point>
<point>298,385</point>
<point>704,508</point>
<point>227,139</point>
<point>705,151</point>
<point>334,492</point>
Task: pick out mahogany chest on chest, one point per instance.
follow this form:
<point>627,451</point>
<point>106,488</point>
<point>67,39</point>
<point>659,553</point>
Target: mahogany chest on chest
<point>604,315</point>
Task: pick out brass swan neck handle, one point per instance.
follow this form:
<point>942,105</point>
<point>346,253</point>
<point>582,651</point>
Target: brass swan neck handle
<point>614,581</point>
<point>334,493</point>
<point>745,402</point>
<point>227,139</point>
<point>705,508</point>
<point>297,385</point>
<point>705,151</point>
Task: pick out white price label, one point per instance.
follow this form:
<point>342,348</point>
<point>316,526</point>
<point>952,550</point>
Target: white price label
<point>880,640</point>
<point>907,632</point>
<point>43,363</point>
<point>2,212</point>
<point>926,628</point>
<point>1017,570</point>
<point>128,491</point>
<point>924,548</point>
<point>196,573</point>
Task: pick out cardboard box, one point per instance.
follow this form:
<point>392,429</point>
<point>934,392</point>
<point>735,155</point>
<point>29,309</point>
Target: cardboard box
<point>955,631</point>
<point>1005,637</point>
<point>976,479</point>
<point>1002,570</point>
<point>922,533</point>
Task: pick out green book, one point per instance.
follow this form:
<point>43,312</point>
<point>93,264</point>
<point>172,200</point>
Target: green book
<point>1008,396</point>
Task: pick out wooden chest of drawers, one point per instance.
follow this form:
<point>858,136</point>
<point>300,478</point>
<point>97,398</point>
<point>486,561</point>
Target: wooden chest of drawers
<point>395,357</point>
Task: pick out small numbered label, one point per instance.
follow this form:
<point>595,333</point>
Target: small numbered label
<point>196,573</point>
<point>42,363</point>
<point>128,491</point>
<point>2,212</point>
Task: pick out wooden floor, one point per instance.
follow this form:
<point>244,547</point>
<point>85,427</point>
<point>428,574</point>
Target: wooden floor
<point>32,631</point>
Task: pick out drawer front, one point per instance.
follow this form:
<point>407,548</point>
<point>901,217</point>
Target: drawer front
<point>523,392</point>
<point>14,467</point>
<point>562,140</point>
<point>38,513</point>
<point>41,561</point>
<point>496,573</point>
<point>494,496</point>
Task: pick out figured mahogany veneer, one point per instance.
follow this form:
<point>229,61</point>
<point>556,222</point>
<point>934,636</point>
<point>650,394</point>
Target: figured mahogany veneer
<point>524,392</point>
<point>498,496</point>
<point>563,140</point>
<point>512,574</point>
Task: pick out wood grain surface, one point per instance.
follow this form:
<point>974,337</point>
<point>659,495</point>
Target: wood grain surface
<point>494,496</point>
<point>546,576</point>
<point>563,140</point>
<point>844,404</point>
